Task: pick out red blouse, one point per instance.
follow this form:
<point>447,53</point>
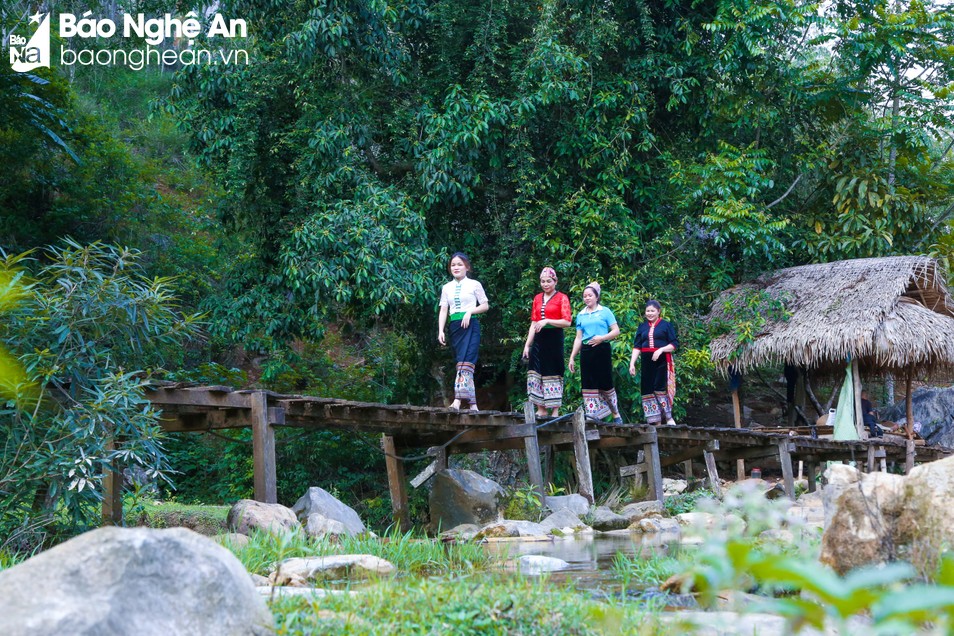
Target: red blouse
<point>558,308</point>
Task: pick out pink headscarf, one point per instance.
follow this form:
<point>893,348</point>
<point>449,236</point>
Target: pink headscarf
<point>595,287</point>
<point>548,272</point>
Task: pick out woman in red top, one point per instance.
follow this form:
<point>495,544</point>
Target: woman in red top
<point>550,315</point>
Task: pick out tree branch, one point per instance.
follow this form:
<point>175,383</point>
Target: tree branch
<point>787,192</point>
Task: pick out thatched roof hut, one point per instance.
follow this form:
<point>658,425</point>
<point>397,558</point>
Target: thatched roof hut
<point>888,314</point>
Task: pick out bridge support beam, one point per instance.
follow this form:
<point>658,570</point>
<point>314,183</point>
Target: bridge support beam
<point>785,448</point>
<point>654,467</point>
<point>263,450</point>
<point>396,484</point>
<point>581,456</point>
<point>532,445</point>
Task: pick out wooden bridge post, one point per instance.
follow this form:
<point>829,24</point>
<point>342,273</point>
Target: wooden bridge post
<point>396,485</point>
<point>811,472</point>
<point>581,454</point>
<point>532,446</point>
<point>263,450</point>
<point>654,466</point>
<point>711,470</point>
<point>785,459</point>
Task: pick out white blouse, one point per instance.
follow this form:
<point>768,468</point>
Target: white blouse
<point>462,296</point>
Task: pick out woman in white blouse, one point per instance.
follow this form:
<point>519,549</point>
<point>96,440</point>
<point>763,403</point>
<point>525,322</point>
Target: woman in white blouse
<point>463,298</point>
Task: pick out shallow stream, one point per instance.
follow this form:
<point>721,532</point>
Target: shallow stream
<point>590,556</point>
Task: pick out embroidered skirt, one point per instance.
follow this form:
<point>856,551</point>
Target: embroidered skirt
<point>596,378</point>
<point>545,375</point>
<point>466,343</point>
<point>657,386</point>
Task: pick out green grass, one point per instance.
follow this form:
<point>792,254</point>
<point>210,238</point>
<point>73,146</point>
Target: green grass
<point>410,555</point>
<point>474,604</point>
<point>648,571</point>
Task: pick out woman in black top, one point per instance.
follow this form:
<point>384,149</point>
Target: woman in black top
<point>654,345</point>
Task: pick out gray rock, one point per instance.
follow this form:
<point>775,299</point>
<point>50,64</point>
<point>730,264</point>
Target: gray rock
<point>319,526</point>
<point>247,515</point>
<point>463,532</point>
<point>232,540</point>
<point>605,519</point>
<point>577,504</point>
<point>335,567</point>
<point>536,564</point>
<point>862,525</point>
<point>508,528</point>
<point>674,486</point>
<point>258,580</point>
<point>463,496</point>
<point>656,525</point>
<point>320,501</point>
<point>118,581</point>
<point>636,511</point>
<point>933,407</point>
<point>561,519</point>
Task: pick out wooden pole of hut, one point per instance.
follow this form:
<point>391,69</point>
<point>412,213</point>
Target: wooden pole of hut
<point>910,449</point>
<point>856,390</point>
<point>737,413</point>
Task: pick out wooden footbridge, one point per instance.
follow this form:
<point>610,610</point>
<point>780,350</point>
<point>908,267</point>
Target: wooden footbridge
<point>442,432</point>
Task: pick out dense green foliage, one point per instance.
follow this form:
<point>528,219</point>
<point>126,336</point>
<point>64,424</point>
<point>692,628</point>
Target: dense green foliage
<point>666,149</point>
<point>307,202</point>
<point>85,326</point>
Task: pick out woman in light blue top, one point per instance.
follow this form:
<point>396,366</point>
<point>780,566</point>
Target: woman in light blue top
<point>595,327</point>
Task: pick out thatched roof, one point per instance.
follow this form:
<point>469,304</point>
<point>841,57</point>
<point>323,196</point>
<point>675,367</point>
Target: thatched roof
<point>889,313</point>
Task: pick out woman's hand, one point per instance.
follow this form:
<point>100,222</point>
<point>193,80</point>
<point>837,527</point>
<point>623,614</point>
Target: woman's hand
<point>440,338</point>
<point>572,366</point>
<point>465,321</point>
<point>595,340</point>
<point>526,353</point>
<point>632,369</point>
<point>540,324</point>
<point>656,354</point>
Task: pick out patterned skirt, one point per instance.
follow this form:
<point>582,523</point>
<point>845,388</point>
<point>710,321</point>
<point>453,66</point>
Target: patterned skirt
<point>596,378</point>
<point>545,375</point>
<point>657,385</point>
<point>466,344</point>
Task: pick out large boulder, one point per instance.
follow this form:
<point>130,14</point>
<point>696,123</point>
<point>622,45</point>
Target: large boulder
<point>561,520</point>
<point>463,496</point>
<point>508,528</point>
<point>926,523</point>
<point>933,407</point>
<point>605,520</point>
<point>577,504</point>
<point>247,515</point>
<point>863,510</point>
<point>340,566</point>
<point>640,510</point>
<point>318,508</point>
<point>118,581</point>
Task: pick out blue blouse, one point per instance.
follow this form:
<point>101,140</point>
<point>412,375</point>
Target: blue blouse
<point>597,323</point>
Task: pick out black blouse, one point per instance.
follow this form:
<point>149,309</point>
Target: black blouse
<point>664,334</point>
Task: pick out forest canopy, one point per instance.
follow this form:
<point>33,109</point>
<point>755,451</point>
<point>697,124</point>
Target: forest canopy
<point>306,203</point>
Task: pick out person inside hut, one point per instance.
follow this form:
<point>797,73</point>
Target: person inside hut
<point>653,345</point>
<point>869,416</point>
<point>549,316</point>
<point>462,299</point>
<point>596,326</point>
